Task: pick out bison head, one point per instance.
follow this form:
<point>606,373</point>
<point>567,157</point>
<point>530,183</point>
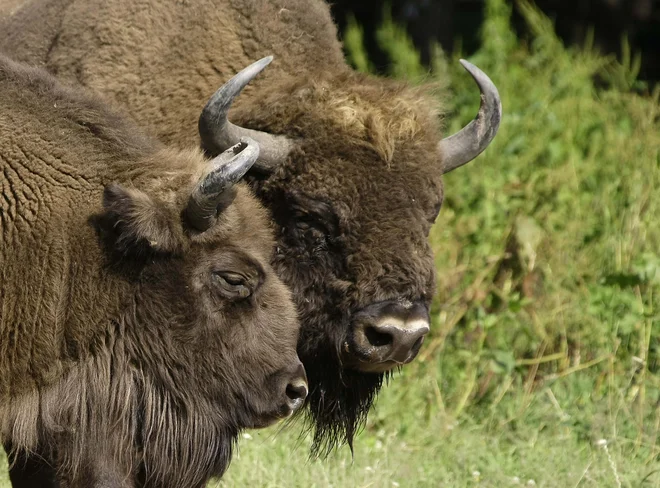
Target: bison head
<point>351,168</point>
<point>211,329</point>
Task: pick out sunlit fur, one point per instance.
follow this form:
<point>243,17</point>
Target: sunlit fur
<point>119,358</point>
<point>365,177</point>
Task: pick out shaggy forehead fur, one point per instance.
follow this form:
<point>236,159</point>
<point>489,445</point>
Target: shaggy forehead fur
<point>384,117</point>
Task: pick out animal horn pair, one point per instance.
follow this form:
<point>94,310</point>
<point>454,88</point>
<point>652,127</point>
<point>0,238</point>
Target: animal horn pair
<point>218,133</point>
<point>225,171</point>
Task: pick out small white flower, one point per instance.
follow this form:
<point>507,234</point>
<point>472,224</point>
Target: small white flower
<point>515,480</point>
<point>601,443</point>
<point>531,483</point>
<point>246,436</point>
<point>395,484</point>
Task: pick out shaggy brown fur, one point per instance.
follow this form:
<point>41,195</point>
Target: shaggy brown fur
<point>354,202</point>
<point>120,349</point>
<point>8,7</point>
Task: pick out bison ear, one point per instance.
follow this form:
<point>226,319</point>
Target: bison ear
<point>138,220</point>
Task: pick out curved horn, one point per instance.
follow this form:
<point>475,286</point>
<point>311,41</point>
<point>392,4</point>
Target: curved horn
<point>469,142</point>
<point>226,170</point>
<point>217,133</point>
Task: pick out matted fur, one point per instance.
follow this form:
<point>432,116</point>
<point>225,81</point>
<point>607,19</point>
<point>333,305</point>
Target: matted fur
<point>120,356</point>
<point>103,397</point>
<point>353,203</point>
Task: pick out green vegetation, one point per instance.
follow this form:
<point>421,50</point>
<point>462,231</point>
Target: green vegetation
<point>543,361</point>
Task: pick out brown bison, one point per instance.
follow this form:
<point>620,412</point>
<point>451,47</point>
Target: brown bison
<point>142,325</point>
<point>351,165</point>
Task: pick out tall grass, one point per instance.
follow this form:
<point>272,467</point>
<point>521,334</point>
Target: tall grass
<point>542,364</point>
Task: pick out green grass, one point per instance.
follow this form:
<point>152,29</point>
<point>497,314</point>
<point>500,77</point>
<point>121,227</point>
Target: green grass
<point>544,354</point>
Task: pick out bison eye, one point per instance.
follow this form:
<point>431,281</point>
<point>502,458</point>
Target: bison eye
<point>312,230</point>
<point>233,285</point>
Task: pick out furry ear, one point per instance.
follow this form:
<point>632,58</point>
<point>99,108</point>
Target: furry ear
<point>138,220</point>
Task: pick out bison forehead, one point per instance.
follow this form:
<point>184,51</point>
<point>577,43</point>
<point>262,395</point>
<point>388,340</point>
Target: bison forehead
<point>354,135</point>
<point>245,224</point>
<point>367,148</point>
<point>362,191</point>
<point>384,217</point>
<point>346,107</point>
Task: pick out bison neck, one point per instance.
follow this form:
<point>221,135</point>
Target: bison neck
<point>54,292</point>
<point>57,151</point>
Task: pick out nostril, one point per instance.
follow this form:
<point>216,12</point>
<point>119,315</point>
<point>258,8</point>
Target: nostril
<point>399,343</point>
<point>296,391</point>
<point>377,338</point>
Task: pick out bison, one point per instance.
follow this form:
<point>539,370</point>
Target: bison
<point>350,166</point>
<point>142,325</point>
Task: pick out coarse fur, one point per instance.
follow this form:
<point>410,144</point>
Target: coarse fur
<point>122,355</point>
<point>8,7</point>
<point>353,202</point>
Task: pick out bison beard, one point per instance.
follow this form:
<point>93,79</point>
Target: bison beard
<point>339,398</point>
<point>338,404</point>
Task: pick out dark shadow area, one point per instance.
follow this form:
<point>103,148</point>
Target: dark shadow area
<point>450,22</point>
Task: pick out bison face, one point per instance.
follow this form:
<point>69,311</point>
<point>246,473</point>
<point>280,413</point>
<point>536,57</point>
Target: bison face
<point>351,167</point>
<point>245,329</point>
<point>210,321</point>
<point>361,263</point>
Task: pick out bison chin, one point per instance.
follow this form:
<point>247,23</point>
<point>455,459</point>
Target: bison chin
<point>338,402</point>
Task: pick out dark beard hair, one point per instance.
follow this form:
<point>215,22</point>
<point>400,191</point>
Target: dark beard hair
<point>338,403</point>
<point>339,399</point>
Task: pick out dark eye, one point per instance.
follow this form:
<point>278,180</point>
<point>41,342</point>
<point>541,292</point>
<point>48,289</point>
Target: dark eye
<point>233,285</point>
<point>312,225</point>
<point>313,231</point>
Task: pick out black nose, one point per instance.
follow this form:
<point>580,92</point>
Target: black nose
<point>393,341</point>
<point>387,334</point>
<point>296,388</point>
